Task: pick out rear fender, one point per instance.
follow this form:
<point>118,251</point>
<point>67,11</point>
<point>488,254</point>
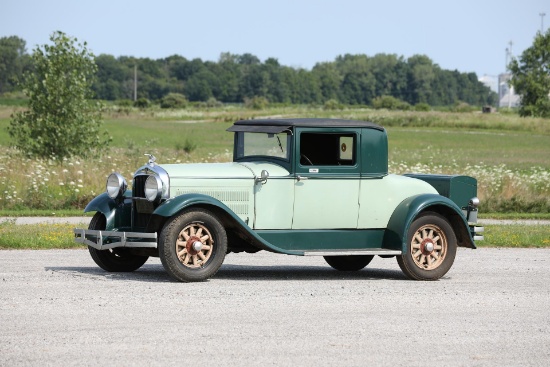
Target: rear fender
<point>409,209</point>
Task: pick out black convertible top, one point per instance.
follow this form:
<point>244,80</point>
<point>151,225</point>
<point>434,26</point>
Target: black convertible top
<point>279,125</point>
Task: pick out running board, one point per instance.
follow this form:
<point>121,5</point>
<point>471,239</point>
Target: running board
<point>374,251</point>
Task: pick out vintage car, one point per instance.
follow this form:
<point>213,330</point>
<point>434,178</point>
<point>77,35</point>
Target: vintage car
<point>306,187</point>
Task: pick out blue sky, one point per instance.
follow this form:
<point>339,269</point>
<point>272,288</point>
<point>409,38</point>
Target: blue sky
<point>467,35</point>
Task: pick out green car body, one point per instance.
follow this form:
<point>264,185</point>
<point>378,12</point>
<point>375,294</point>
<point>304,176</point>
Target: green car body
<point>295,186</point>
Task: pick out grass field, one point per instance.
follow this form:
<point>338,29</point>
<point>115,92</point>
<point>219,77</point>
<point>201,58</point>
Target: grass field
<point>509,156</point>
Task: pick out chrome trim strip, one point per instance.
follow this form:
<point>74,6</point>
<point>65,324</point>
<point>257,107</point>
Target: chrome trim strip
<point>127,239</point>
<point>478,238</point>
<point>212,178</point>
<point>380,251</point>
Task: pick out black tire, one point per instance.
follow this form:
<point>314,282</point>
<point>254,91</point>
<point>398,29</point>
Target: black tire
<point>117,259</point>
<point>179,258</point>
<point>349,263</point>
<point>431,248</point>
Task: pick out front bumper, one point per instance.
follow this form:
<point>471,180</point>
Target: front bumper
<point>103,240</point>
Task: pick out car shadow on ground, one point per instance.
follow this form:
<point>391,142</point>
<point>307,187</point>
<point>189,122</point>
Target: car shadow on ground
<point>289,272</point>
<point>156,273</point>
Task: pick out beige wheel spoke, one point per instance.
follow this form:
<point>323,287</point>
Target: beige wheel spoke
<point>422,259</point>
<point>204,238</point>
<point>201,255</point>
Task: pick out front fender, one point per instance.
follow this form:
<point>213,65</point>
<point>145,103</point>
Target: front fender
<point>175,205</point>
<point>410,208</point>
<point>116,213</point>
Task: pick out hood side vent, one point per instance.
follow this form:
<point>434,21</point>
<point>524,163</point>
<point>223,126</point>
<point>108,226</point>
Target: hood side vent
<point>236,200</point>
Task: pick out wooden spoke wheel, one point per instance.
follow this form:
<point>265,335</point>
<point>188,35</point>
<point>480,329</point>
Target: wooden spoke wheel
<point>431,248</point>
<point>192,245</point>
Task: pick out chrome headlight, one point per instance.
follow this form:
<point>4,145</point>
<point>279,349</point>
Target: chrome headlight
<point>153,188</point>
<point>116,185</point>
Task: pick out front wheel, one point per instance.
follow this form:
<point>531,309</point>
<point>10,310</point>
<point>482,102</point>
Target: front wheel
<point>348,263</point>
<point>113,260</point>
<point>431,248</point>
<point>192,245</point>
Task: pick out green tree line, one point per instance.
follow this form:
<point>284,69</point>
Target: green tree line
<point>349,79</point>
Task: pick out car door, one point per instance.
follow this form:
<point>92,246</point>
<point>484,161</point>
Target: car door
<point>327,178</point>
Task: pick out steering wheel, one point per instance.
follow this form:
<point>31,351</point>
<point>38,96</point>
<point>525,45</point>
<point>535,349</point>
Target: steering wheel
<point>303,157</point>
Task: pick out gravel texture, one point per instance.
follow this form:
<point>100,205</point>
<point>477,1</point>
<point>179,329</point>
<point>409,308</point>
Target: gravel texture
<point>492,309</point>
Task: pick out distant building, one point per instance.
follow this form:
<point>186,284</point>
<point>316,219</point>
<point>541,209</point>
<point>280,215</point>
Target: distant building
<point>506,95</point>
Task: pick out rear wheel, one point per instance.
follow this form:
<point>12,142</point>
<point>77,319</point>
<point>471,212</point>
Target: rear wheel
<point>117,259</point>
<point>349,263</point>
<point>431,248</point>
<point>192,245</point>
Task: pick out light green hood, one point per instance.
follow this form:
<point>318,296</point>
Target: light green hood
<point>222,170</point>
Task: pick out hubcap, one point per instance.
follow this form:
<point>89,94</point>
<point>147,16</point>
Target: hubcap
<point>194,245</point>
<point>429,247</point>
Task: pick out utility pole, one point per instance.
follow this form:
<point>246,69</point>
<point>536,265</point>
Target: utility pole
<point>542,14</point>
<point>135,83</point>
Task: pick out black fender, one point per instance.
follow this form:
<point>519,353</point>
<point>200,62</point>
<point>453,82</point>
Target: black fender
<point>406,212</point>
<point>229,219</point>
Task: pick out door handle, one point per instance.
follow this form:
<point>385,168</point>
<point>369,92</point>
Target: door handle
<point>301,178</point>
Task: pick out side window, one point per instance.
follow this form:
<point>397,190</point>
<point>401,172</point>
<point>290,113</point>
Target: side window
<point>331,149</point>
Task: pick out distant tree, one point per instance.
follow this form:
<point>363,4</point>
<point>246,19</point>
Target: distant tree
<point>531,77</point>
<point>62,120</point>
<point>329,79</point>
<point>421,78</point>
<point>13,61</point>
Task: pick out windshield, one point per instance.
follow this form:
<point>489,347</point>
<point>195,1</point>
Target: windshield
<point>263,144</point>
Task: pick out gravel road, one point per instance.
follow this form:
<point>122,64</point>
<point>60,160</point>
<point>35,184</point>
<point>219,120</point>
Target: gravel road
<point>492,309</point>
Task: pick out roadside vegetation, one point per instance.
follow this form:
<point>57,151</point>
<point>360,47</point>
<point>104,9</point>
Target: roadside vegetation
<point>507,154</point>
<point>60,236</point>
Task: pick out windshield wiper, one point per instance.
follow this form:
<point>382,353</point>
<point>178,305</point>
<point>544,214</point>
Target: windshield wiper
<point>280,145</point>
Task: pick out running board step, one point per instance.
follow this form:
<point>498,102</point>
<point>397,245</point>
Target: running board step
<point>373,251</point>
